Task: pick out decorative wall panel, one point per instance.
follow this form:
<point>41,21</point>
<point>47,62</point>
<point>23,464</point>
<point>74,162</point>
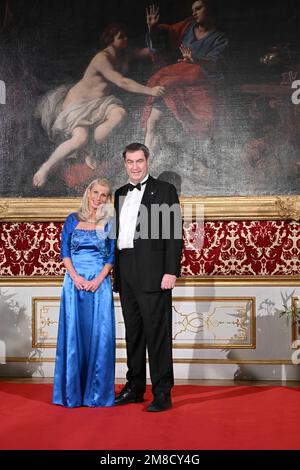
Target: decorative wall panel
<point>45,316</point>
<point>233,248</point>
<point>213,322</point>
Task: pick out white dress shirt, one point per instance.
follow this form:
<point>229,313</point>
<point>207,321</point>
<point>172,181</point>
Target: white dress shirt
<point>128,216</point>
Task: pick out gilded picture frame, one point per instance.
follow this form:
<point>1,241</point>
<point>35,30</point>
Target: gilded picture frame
<point>243,166</point>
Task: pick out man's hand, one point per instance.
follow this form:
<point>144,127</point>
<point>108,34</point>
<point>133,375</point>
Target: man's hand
<point>152,16</point>
<point>168,281</point>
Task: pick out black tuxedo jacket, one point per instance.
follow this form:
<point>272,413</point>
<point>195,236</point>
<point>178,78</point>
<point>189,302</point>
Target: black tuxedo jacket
<point>158,250</point>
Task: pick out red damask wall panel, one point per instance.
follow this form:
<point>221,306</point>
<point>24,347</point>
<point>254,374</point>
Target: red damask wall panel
<point>30,249</point>
<point>220,249</point>
<point>244,248</point>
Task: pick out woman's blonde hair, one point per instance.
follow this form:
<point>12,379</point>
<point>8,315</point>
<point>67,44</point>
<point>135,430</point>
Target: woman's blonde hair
<point>83,211</point>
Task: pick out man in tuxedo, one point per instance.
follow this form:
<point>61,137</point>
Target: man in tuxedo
<point>148,254</point>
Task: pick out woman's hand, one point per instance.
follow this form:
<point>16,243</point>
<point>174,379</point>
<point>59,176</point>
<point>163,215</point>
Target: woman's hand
<point>157,91</point>
<point>79,282</point>
<point>186,54</point>
<point>92,286</point>
<point>152,16</point>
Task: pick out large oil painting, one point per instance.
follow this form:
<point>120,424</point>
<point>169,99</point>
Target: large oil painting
<point>211,87</point>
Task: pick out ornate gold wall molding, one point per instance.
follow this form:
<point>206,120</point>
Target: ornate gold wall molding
<point>188,281</point>
<point>238,281</point>
<point>237,313</point>
<point>37,209</point>
<point>215,208</point>
<point>34,281</point>
<point>288,207</point>
<point>43,322</point>
<point>123,360</point>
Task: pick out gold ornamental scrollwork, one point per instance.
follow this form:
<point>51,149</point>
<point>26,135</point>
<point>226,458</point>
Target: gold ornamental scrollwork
<point>196,322</point>
<point>204,328</point>
<point>288,208</point>
<point>43,321</point>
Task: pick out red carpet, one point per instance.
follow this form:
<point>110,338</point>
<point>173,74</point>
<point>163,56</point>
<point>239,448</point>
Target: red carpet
<point>237,417</point>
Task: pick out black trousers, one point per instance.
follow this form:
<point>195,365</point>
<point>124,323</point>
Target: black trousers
<point>148,323</point>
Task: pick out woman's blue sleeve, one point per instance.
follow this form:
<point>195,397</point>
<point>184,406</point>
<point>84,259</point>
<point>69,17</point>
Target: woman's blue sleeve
<point>111,242</point>
<point>111,251</point>
<point>69,225</point>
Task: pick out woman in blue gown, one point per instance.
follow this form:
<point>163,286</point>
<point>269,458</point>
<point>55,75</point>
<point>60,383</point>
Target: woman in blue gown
<point>85,357</point>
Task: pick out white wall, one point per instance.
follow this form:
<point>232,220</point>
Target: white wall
<point>219,332</point>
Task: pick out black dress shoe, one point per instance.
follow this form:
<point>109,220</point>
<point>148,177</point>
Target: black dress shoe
<point>128,396</point>
<point>160,403</point>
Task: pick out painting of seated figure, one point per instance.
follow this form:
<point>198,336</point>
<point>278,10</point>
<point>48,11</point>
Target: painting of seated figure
<point>211,87</point>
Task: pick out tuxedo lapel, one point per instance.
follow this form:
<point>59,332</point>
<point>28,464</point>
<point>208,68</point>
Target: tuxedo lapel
<point>149,193</point>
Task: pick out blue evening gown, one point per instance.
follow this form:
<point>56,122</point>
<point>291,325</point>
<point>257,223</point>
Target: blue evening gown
<point>85,357</point>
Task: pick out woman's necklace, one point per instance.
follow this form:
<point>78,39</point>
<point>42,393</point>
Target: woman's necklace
<point>91,221</point>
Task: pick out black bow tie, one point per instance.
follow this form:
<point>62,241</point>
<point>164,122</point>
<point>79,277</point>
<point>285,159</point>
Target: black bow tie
<point>138,186</point>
